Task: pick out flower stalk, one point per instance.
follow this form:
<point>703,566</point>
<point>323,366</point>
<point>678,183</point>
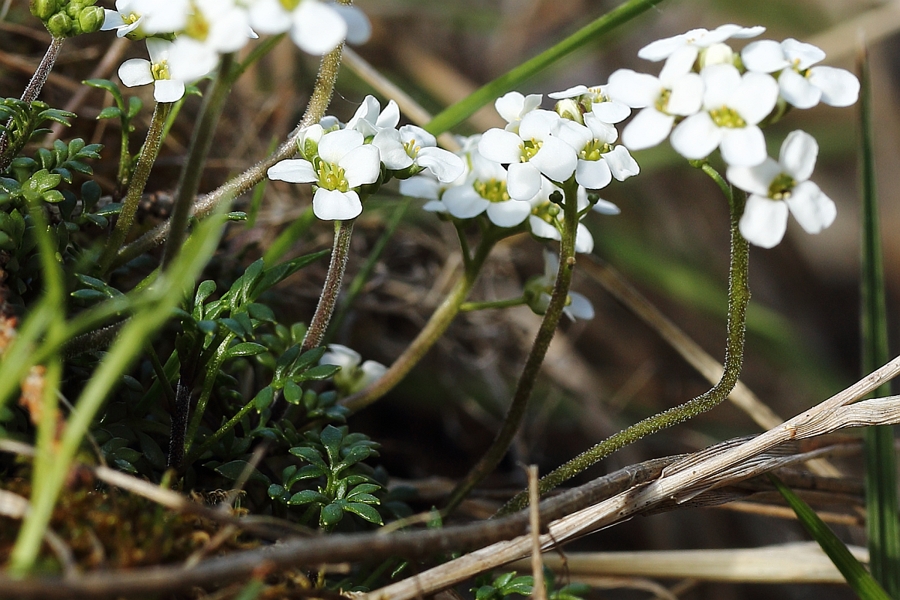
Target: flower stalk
<point>318,325</point>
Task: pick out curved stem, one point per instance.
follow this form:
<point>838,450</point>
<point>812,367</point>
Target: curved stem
<point>433,330</point>
<point>488,304</point>
<point>136,186</point>
<point>343,230</point>
<point>206,204</point>
<point>516,411</point>
<point>738,298</point>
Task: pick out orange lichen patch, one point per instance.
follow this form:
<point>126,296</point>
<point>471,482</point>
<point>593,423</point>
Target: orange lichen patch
<point>7,331</point>
<point>33,393</point>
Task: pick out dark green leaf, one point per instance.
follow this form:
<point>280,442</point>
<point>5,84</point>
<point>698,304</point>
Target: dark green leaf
<point>331,515</point>
<point>264,398</point>
<point>245,349</point>
<point>365,511</point>
<point>310,455</point>
<point>308,497</point>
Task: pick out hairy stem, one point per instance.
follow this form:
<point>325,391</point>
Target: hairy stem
<point>516,411</point>
<point>433,330</point>
<point>206,204</point>
<point>201,142</point>
<point>136,186</point>
<point>738,298</point>
<point>343,230</point>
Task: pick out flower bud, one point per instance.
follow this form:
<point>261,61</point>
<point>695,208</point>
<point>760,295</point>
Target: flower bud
<point>717,54</point>
<point>536,295</point>
<point>568,108</point>
<point>44,9</point>
<point>60,25</point>
<point>90,19</point>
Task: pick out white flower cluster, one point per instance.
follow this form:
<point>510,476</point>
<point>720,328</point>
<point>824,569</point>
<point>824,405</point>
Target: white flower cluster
<point>708,96</point>
<point>339,159</point>
<point>513,175</point>
<point>186,37</point>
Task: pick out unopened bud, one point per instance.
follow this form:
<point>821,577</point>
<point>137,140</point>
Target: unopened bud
<point>91,19</point>
<point>44,9</point>
<point>59,25</point>
<point>717,54</point>
<point>568,108</point>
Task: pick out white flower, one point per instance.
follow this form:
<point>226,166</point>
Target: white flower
<point>801,84</point>
<point>138,71</point>
<point>512,106</point>
<point>413,145</point>
<point>598,160</point>
<point>547,219</point>
<point>531,153</point>
<point>538,291</point>
<point>369,119</point>
<point>485,190</point>
<point>140,18</point>
<point>733,105</point>
<point>677,92</point>
<point>598,100</point>
<point>690,44</point>
<point>343,164</point>
<point>352,377</point>
<point>779,187</point>
<point>316,27</point>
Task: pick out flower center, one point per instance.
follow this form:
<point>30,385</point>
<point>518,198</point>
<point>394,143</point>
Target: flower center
<point>197,26</point>
<point>727,117</point>
<point>492,190</point>
<point>662,103</point>
<point>529,149</point>
<point>160,70</point>
<point>130,18</point>
<point>289,5</point>
<point>782,187</point>
<point>547,212</point>
<point>593,150</point>
<point>333,177</point>
<point>412,148</point>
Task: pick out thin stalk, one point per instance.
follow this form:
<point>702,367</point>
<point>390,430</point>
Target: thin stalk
<point>136,185</point>
<point>340,253</point>
<point>196,452</point>
<point>738,298</point>
<point>213,368</point>
<point>525,386</point>
<point>882,520</point>
<point>201,142</point>
<point>488,304</point>
<point>34,87</point>
<point>206,204</point>
<point>433,330</point>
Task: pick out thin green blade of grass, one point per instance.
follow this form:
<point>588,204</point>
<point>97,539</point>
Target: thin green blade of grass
<point>881,468</point>
<point>457,113</point>
<point>853,571</point>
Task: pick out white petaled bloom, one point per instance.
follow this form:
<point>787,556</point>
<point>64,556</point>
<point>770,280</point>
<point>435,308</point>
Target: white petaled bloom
<point>343,164</point>
<point>598,160</point>
<point>214,27</point>
<point>485,190</point>
<point>548,221</point>
<point>532,153</point>
<point>138,71</point>
<point>369,119</point>
<point>689,45</point>
<point>538,290</point>
<point>802,84</point>
<point>315,27</point>
<point>353,376</point>
<point>596,100</point>
<point>413,146</point>
<point>777,188</point>
<point>733,105</point>
<point>677,92</point>
<point>140,18</point>
<point>512,106</point>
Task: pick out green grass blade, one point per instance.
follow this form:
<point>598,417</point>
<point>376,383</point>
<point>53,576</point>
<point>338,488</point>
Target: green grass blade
<point>456,114</point>
<point>881,480</point>
<point>856,575</point>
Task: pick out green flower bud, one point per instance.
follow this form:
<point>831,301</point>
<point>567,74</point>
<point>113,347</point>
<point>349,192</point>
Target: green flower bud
<point>60,25</point>
<point>91,19</point>
<point>44,9</point>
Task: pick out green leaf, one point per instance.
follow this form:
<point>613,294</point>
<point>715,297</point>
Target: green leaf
<point>245,349</point>
<point>152,452</point>
<point>293,393</point>
<point>331,437</point>
<point>319,373</point>
<point>308,497</point>
<point>303,473</point>
<point>331,515</point>
<point>279,273</point>
<point>264,398</point>
<point>310,455</point>
<point>856,575</point>
<point>365,511</point>
<point>234,469</point>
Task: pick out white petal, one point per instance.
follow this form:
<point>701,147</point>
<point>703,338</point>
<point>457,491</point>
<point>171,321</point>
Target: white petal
<point>135,71</point>
<point>839,87</point>
<point>575,134</point>
<point>463,202</point>
<point>719,83</point>
<point>813,210</point>
<point>579,308</point>
<point>636,90</point>
<point>756,179</point>
<point>543,229</point>
<point>687,95</point>
<point>361,165</point>
<point>600,129</point>
<point>605,207</point>
<point>764,56</point>
<point>393,153</point>
<point>593,174</point>
<point>679,63</point>
<point>571,92</point>
<point>445,165</point>
<point>755,97</point>
<point>611,112</point>
<point>500,146</point>
<point>434,206</point>
<point>268,16</point>
<point>805,54</point>
<point>332,205</point>
<point>190,60</point>
<point>317,28</point>
<point>293,170</point>
<point>556,159</point>
<point>359,29</point>
<point>661,49</point>
<point>798,155</point>
<point>647,129</point>
<point>168,90</point>
<point>621,163</point>
<point>743,147</point>
<point>584,241</point>
<point>508,214</point>
<point>389,117</point>
<point>112,20</point>
<point>335,144</point>
<point>696,137</point>
<point>539,124</point>
<point>420,186</point>
<point>764,221</point>
<point>797,90</point>
<point>523,181</point>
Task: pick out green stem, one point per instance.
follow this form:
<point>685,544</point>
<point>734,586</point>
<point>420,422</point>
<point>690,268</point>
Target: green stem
<point>433,330</point>
<point>213,368</point>
<point>196,452</point>
<point>206,204</point>
<point>738,298</point>
<point>525,386</point>
<point>201,142</point>
<point>136,186</point>
<point>343,231</point>
<point>488,304</point>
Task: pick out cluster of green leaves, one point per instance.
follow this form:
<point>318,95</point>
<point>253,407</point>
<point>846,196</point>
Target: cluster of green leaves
<point>509,584</point>
<point>24,122</point>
